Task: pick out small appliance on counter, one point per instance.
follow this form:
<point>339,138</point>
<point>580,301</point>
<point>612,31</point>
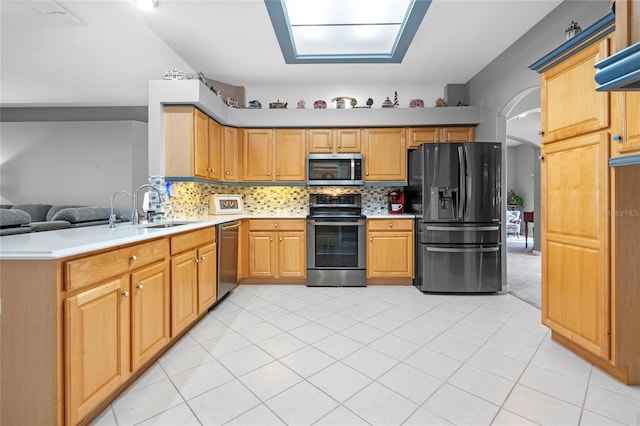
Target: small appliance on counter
<point>396,202</point>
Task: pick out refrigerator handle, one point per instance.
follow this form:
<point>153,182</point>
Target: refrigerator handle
<point>462,180</point>
<point>462,250</point>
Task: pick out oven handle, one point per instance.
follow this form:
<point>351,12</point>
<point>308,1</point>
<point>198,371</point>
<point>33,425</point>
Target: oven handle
<point>357,223</point>
<point>463,228</point>
<point>463,250</point>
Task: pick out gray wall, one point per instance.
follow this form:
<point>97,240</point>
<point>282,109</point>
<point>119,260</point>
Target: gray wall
<point>508,75</point>
<point>72,162</point>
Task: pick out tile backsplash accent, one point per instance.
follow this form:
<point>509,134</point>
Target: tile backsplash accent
<point>192,198</point>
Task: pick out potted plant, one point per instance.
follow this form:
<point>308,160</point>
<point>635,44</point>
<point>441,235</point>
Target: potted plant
<point>514,199</point>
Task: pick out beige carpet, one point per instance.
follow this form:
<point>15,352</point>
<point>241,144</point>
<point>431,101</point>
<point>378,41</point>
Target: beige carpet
<point>523,271</point>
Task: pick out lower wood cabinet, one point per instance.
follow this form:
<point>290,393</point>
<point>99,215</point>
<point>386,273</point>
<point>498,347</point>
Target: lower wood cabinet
<point>97,330</point>
<point>110,331</point>
<point>277,250</point>
<point>98,320</point>
<point>390,245</point>
<point>193,276</point>
<point>575,258</point>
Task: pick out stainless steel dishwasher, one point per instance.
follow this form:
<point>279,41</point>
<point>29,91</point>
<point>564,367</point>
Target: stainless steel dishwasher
<point>227,258</point>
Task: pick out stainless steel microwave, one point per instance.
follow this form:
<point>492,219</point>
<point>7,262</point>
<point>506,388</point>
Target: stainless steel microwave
<point>334,169</point>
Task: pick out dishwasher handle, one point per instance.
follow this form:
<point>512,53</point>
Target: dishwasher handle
<point>229,225</point>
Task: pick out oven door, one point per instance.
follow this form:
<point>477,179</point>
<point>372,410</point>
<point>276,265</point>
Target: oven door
<point>336,244</point>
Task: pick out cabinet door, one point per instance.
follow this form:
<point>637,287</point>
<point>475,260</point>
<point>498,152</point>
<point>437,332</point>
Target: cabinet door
<point>292,255</point>
<point>629,141</point>
<point>96,345</point>
<point>257,155</point>
<point>262,254</point>
<point>230,142</point>
<point>207,277</point>
<point>570,105</point>
<point>457,134</point>
<point>320,140</point>
<point>385,155</point>
<point>150,312</point>
<point>390,254</point>
<point>215,150</point>
<point>347,140</point>
<point>184,290</point>
<point>201,144</point>
<point>290,155</point>
<point>575,260</point>
<point>420,135</point>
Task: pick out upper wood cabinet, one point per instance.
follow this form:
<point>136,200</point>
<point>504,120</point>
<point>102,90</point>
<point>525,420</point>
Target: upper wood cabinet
<point>273,156</point>
<point>230,151</point>
<point>627,19</point>
<point>187,150</point>
<point>257,155</point>
<point>215,150</point>
<point>626,123</point>
<point>419,135</point>
<point>570,105</point>
<point>290,151</point>
<point>385,155</point>
<point>334,140</point>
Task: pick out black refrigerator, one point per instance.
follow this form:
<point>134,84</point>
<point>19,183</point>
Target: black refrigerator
<point>454,189</point>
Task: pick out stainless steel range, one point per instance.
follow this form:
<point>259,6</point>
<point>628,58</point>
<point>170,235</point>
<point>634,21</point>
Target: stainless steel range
<point>336,241</point>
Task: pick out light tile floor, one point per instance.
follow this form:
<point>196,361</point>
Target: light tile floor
<point>380,355</point>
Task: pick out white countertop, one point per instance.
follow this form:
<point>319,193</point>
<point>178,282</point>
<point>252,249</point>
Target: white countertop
<point>391,216</point>
<point>49,245</point>
<point>62,243</point>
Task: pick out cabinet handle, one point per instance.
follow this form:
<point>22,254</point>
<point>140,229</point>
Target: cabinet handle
<point>390,225</point>
<point>330,146</point>
<point>371,239</point>
<point>541,158</point>
<point>367,173</point>
<point>268,173</point>
<point>133,258</point>
<point>275,225</point>
<point>277,173</point>
<point>197,260</point>
<point>125,293</point>
<point>617,138</point>
<point>210,169</point>
<point>139,286</point>
<point>280,238</point>
<point>541,133</point>
<point>339,146</point>
<point>270,238</point>
<point>226,172</point>
<point>202,258</point>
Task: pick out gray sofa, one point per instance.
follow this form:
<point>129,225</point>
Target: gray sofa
<point>22,218</point>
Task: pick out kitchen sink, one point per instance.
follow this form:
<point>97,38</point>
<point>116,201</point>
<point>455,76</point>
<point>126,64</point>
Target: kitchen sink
<point>165,225</point>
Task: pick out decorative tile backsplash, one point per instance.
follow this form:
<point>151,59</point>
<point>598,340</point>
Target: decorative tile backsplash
<point>192,198</point>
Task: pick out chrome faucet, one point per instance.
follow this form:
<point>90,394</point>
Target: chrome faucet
<point>135,218</point>
<point>112,216</point>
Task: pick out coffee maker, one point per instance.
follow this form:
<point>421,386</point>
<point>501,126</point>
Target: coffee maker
<point>396,202</point>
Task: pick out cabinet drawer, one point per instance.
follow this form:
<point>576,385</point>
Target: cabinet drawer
<point>277,225</point>
<point>390,224</point>
<point>92,269</point>
<point>187,240</point>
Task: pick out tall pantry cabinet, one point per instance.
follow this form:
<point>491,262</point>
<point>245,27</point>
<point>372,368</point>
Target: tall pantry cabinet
<point>580,292</point>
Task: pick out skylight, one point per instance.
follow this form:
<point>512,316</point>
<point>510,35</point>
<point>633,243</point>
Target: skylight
<point>345,31</point>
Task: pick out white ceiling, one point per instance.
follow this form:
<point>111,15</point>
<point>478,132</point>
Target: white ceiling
<point>102,53</point>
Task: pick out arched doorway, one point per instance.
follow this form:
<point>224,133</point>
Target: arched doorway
<point>520,121</point>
